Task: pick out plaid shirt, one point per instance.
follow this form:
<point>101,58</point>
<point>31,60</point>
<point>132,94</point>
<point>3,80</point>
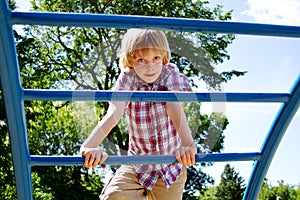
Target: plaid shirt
<point>150,130</point>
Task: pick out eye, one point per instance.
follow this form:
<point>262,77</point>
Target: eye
<point>157,58</point>
<point>140,60</point>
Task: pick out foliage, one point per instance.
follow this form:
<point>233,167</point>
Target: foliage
<point>282,191</point>
<point>12,4</point>
<point>209,194</point>
<point>52,130</point>
<point>40,192</point>
<point>60,57</point>
<point>7,181</point>
<point>232,185</point>
<point>55,128</point>
<point>86,58</point>
<point>209,138</point>
<point>268,192</point>
<point>80,51</point>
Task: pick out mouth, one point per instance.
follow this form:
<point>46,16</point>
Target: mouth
<point>150,75</point>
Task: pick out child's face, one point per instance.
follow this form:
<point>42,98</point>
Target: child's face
<point>148,66</point>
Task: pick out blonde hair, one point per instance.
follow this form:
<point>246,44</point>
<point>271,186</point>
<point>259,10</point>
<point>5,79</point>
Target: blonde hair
<point>139,42</point>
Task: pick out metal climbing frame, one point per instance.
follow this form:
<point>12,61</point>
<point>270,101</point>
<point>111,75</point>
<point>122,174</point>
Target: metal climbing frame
<point>15,95</point>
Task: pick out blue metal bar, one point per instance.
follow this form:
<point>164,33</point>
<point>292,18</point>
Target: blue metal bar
<point>12,93</point>
<point>129,21</point>
<point>131,160</point>
<point>272,141</point>
<point>107,95</point>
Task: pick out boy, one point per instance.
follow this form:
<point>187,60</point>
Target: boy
<point>154,128</point>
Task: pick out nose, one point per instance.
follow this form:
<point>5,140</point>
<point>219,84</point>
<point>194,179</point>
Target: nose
<point>150,67</point>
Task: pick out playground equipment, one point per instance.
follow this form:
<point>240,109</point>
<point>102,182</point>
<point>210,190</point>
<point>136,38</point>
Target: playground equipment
<point>15,95</point>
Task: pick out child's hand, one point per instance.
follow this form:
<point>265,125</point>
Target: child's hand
<point>186,155</point>
<point>93,156</point>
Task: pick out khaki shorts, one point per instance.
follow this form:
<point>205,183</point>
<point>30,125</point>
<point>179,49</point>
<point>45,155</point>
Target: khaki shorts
<point>124,185</point>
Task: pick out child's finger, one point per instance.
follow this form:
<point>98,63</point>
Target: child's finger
<point>87,159</point>
<point>177,155</point>
<point>95,162</point>
<point>97,158</point>
<point>187,158</point>
<point>92,160</point>
<point>181,156</point>
<point>193,161</point>
<point>103,157</point>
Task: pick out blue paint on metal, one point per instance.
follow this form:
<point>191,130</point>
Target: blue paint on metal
<point>129,21</point>
<point>36,160</point>
<point>12,94</point>
<point>15,95</point>
<point>272,141</point>
<point>106,95</point>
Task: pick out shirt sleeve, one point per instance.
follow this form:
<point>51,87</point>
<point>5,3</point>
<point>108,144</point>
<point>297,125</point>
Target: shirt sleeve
<point>119,85</point>
<point>176,80</point>
<point>123,82</point>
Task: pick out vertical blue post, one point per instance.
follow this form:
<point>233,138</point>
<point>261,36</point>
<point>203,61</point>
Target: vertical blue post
<point>12,93</point>
<point>272,141</point>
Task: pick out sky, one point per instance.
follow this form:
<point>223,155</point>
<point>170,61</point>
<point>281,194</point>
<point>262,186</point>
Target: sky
<point>273,66</point>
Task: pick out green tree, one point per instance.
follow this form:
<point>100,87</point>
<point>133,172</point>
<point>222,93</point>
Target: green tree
<point>282,191</point>
<point>209,194</point>
<point>54,128</point>
<point>86,58</point>
<point>7,179</point>
<point>232,186</point>
<point>209,138</point>
<point>298,192</point>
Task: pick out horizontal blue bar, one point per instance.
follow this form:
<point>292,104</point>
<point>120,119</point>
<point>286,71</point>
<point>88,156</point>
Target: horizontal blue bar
<point>130,21</point>
<point>159,96</point>
<point>131,160</point>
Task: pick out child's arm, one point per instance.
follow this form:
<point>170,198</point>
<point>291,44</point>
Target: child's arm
<point>89,149</point>
<point>186,153</point>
